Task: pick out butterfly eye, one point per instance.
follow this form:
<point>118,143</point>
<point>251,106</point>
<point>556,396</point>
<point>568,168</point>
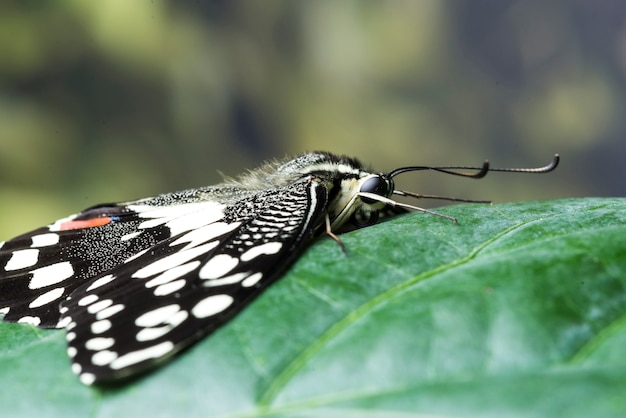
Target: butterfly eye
<point>375,185</point>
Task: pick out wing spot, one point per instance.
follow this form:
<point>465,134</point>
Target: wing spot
<point>139,356</point>
<point>49,275</point>
<point>179,218</point>
<point>70,336</point>
<point>263,249</point>
<point>205,233</point>
<point>99,343</point>
<point>157,316</point>
<point>44,240</point>
<point>64,322</point>
<point>211,305</point>
<point>172,274</point>
<point>149,334</point>
<point>100,282</point>
<point>252,280</point>
<point>88,300</point>
<point>130,236</point>
<point>101,326</point>
<point>110,311</point>
<point>218,266</point>
<point>76,368</point>
<point>47,297</point>
<point>169,288</point>
<point>32,320</point>
<point>103,358</point>
<point>71,352</point>
<point>21,259</point>
<point>87,378</point>
<point>98,306</point>
<point>173,260</point>
<point>233,278</point>
<point>136,256</point>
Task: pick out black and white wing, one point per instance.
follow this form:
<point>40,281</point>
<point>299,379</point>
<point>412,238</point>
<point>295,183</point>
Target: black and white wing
<point>168,296</point>
<point>41,268</point>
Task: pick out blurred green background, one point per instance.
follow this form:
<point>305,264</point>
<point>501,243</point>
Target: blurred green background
<point>113,100</point>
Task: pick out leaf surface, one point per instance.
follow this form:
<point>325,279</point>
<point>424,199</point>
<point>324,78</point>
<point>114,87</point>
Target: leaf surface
<point>518,310</point>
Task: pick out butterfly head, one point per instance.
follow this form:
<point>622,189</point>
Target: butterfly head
<point>362,197</point>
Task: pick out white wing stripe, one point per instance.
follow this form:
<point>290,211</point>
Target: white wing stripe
<point>173,260</point>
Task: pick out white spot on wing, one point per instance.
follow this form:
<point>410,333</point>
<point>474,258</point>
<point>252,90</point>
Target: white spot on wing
<point>173,260</point>
<point>71,352</point>
<point>49,275</point>
<point>135,256</point>
<point>168,288</point>
<point>233,278</point>
<point>138,356</point>
<point>103,358</point>
<point>252,280</point>
<point>266,249</point>
<point>87,300</point>
<point>5,310</point>
<point>87,378</point>
<point>100,282</point>
<point>210,212</point>
<point>218,266</point>
<point>180,218</point>
<point>99,327</point>
<point>32,320</point>
<point>172,274</point>
<point>99,343</point>
<point>110,311</point>
<point>206,233</point>
<point>47,297</point>
<point>76,368</point>
<point>98,306</point>
<point>64,322</point>
<point>22,258</point>
<point>149,334</point>
<point>44,240</point>
<point>211,305</point>
<point>157,316</point>
<point>130,236</point>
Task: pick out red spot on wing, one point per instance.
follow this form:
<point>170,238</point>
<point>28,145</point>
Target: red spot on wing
<point>85,223</point>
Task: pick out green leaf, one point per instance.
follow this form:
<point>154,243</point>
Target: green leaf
<point>517,310</point>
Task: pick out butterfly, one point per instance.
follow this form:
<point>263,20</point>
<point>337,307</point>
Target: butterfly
<point>134,283</point>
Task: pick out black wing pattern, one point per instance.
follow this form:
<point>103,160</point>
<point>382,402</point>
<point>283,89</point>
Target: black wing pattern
<point>163,299</point>
<point>41,268</point>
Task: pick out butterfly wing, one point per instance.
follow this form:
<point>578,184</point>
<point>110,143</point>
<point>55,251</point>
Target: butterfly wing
<point>40,269</point>
<point>164,299</point>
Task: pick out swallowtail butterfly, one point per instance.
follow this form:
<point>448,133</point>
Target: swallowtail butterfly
<point>136,282</point>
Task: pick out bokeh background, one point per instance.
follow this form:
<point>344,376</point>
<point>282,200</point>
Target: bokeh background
<point>113,100</point>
